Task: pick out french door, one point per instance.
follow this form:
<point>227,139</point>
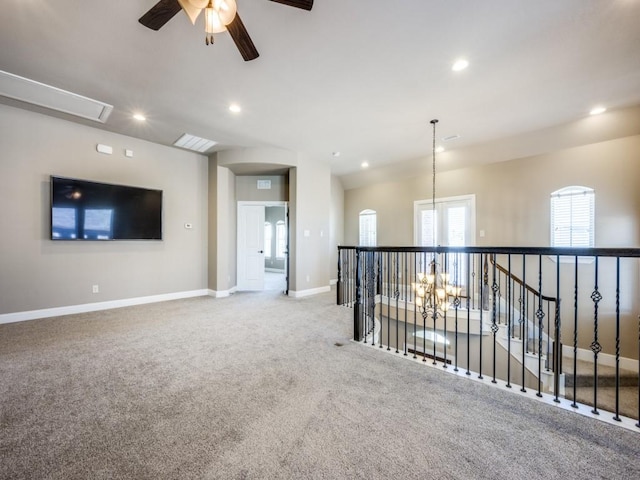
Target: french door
<point>450,222</point>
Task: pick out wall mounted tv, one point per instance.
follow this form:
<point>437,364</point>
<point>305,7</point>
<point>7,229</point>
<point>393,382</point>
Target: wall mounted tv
<point>84,210</point>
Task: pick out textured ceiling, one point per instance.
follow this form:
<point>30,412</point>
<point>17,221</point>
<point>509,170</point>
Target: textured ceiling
<point>362,77</point>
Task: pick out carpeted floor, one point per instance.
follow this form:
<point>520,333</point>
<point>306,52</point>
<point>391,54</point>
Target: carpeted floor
<point>261,386</point>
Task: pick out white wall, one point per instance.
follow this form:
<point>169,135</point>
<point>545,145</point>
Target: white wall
<point>37,273</point>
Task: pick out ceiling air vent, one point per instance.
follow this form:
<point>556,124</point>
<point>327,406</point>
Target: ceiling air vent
<point>191,142</point>
<point>36,93</point>
<point>450,137</point>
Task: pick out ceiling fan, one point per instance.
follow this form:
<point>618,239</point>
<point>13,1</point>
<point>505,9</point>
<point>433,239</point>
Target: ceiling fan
<point>220,15</point>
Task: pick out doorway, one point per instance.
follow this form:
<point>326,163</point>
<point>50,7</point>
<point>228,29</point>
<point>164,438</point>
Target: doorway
<point>263,246</point>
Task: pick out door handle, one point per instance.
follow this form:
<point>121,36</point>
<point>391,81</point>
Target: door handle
<point>260,251</point>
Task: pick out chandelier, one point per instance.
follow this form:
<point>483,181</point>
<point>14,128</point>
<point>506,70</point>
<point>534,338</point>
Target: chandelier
<point>434,293</point>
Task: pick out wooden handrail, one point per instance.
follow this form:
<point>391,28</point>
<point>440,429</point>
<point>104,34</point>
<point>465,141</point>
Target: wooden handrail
<point>520,282</point>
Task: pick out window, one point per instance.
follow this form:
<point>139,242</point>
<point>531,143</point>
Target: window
<point>281,239</point>
<point>572,217</point>
<point>451,223</point>
<point>267,239</point>
<point>367,228</point>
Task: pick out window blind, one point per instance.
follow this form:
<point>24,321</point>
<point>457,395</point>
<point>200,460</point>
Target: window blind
<point>572,217</point>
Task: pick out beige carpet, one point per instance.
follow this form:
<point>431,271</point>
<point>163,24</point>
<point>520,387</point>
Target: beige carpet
<point>259,386</point>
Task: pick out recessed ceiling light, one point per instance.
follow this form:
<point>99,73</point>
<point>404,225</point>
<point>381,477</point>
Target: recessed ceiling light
<point>235,108</point>
<point>459,65</point>
<point>139,117</point>
<point>335,154</point>
<point>439,149</point>
<point>364,164</point>
<point>597,110</point>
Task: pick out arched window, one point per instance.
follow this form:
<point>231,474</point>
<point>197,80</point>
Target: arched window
<point>268,235</point>
<point>572,217</point>
<point>367,228</point>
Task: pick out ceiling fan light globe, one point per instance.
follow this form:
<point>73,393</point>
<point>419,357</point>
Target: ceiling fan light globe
<point>218,14</point>
<point>212,22</point>
<point>226,10</point>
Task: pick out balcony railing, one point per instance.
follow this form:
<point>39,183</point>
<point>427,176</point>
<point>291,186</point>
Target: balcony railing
<point>562,322</point>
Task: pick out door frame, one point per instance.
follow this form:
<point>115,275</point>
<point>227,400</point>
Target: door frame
<point>471,198</point>
<point>268,203</point>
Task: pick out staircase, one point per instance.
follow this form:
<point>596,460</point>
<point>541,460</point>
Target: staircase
<point>606,393</point>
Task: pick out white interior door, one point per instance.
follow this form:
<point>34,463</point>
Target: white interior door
<point>250,247</point>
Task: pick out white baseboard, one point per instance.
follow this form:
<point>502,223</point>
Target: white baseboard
<point>93,307</point>
<point>603,358</point>
<point>333,281</point>
<point>311,291</point>
<point>221,293</point>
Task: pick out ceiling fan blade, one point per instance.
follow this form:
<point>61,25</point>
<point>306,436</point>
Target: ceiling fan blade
<point>304,4</point>
<point>242,39</point>
<point>160,13</point>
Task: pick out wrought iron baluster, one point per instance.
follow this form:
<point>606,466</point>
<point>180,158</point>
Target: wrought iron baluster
<point>404,285</point>
<point>509,308</point>
<point>425,314</point>
<point>596,348</point>
<point>494,325</point>
<point>415,307</point>
<point>546,362</point>
<point>523,323</point>
<point>456,304</point>
<point>371,297</point>
<point>638,424</point>
<point>617,412</point>
<point>557,343</point>
<point>575,331</point>
<point>389,286</point>
<point>396,294</point>
<point>357,312</point>
<point>470,288</point>
<point>445,268</point>
<point>434,314</point>
<point>540,315</point>
<point>482,290</point>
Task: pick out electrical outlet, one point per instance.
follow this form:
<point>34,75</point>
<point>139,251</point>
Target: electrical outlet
<point>96,289</point>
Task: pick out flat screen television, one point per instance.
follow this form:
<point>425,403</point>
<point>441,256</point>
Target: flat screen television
<point>84,210</point>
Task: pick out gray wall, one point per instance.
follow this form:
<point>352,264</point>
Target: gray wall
<point>247,189</point>
<point>512,198</point>
<point>336,230</point>
<point>512,207</point>
<point>309,197</point>
<point>37,273</point>
<point>222,228</point>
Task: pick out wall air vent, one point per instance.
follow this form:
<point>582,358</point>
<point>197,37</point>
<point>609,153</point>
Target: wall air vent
<point>191,142</point>
<point>36,93</point>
